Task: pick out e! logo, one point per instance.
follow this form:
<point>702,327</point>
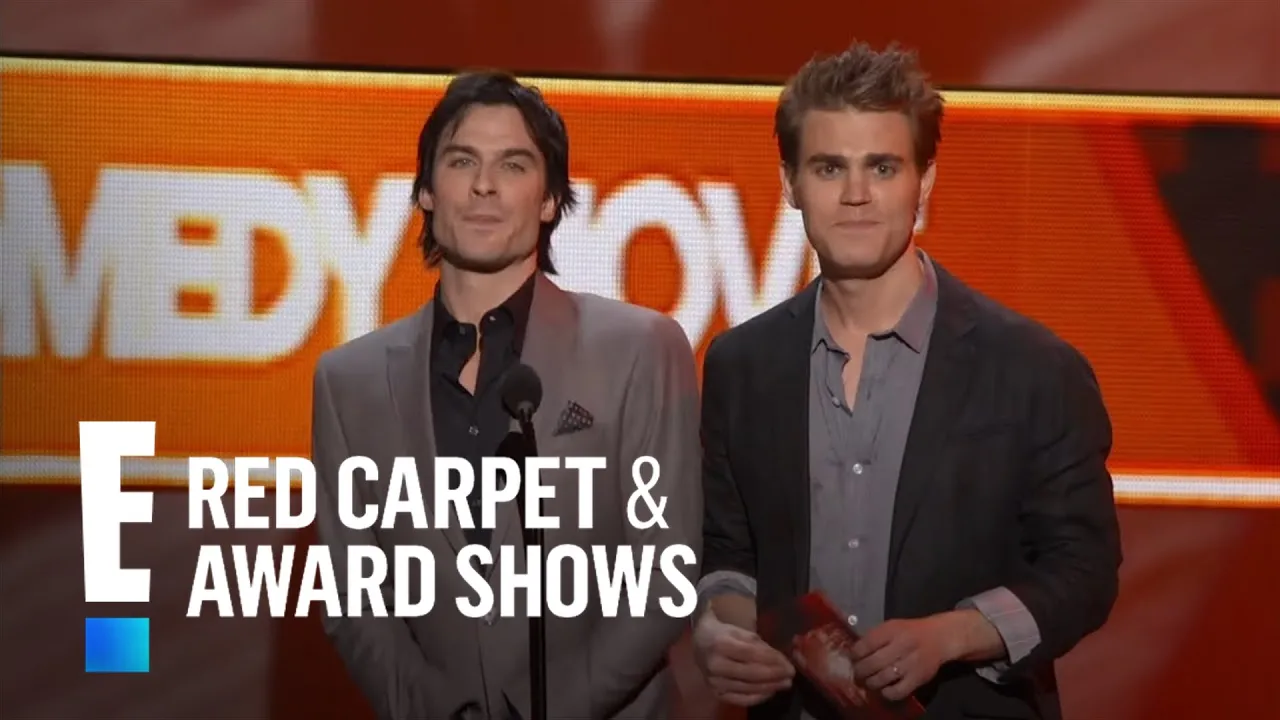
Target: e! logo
<point>113,644</point>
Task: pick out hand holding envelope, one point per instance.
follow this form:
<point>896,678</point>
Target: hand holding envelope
<point>740,668</point>
<point>821,644</point>
<point>821,656</point>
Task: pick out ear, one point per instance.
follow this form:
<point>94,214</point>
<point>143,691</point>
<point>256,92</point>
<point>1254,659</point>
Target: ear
<point>548,210</point>
<point>787,190</point>
<point>424,200</point>
<point>926,182</point>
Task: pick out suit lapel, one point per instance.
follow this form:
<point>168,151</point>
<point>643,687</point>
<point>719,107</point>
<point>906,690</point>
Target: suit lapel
<point>550,344</point>
<point>943,389</point>
<point>408,373</point>
<point>789,406</point>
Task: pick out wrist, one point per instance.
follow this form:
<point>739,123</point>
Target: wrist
<point>966,630</point>
<point>734,609</point>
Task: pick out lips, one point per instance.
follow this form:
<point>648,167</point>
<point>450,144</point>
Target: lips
<point>482,219</point>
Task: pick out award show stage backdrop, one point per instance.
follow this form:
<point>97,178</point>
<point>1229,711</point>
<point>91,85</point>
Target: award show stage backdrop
<point>180,242</point>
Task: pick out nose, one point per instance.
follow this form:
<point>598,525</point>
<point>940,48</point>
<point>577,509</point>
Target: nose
<point>482,183</point>
<point>857,190</point>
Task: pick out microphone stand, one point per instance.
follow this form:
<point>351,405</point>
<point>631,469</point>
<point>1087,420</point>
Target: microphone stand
<point>537,623</point>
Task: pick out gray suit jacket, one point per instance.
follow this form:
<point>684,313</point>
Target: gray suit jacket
<point>633,370</point>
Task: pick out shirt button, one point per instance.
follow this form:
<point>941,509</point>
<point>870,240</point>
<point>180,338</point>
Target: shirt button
<point>473,430</point>
<point>853,544</point>
<point>835,401</point>
<point>853,620</point>
<point>857,468</point>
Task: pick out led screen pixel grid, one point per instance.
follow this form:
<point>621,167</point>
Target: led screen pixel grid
<point>183,241</point>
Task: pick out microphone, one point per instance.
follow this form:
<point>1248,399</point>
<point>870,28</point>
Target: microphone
<point>521,396</point>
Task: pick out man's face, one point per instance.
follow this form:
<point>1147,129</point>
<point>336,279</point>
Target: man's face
<point>857,188</point>
<point>489,191</point>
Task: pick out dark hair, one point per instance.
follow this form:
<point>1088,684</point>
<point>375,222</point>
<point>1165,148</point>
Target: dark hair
<point>861,79</point>
<point>493,88</point>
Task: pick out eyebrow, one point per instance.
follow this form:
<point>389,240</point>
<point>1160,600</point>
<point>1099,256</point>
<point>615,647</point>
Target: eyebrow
<point>455,148</point>
<point>884,159</point>
<point>872,159</point>
<point>827,159</point>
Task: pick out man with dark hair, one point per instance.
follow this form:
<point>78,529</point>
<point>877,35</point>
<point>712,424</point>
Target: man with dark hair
<point>931,461</point>
<point>501,94</point>
<point>618,382</point>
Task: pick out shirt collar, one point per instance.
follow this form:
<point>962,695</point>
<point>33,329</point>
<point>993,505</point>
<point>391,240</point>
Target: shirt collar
<point>515,309</point>
<point>913,327</point>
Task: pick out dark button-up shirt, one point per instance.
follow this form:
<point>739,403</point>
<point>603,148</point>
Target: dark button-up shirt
<point>473,425</point>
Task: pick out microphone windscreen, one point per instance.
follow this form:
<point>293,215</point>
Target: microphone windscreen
<point>521,390</point>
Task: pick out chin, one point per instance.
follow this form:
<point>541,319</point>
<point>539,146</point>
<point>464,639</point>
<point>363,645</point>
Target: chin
<point>859,265</point>
<point>480,262</point>
<point>852,271</point>
<point>486,264</point>
<point>866,259</point>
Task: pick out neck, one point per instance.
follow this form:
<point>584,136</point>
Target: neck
<point>469,295</point>
<point>873,305</point>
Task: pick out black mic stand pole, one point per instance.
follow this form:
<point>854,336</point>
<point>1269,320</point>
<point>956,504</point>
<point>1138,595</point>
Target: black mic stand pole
<point>537,623</point>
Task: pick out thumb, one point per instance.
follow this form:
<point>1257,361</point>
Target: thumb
<point>741,634</point>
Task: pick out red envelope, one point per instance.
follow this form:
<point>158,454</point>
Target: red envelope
<point>811,632</point>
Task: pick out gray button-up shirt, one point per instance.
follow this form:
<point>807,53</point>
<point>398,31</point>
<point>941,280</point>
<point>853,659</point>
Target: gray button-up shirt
<point>855,453</point>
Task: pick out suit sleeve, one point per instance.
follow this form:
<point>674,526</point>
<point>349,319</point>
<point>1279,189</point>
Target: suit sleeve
<point>659,419</point>
<point>379,653</point>
<point>1070,530</point>
<point>728,551</point>
<point>660,416</point>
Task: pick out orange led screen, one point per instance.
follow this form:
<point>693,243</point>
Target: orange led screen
<point>181,242</point>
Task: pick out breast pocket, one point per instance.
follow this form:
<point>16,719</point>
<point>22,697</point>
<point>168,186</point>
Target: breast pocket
<point>984,463</point>
<point>980,429</point>
<point>989,451</point>
<point>991,448</point>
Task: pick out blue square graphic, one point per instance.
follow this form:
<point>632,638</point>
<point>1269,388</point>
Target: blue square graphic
<point>117,645</point>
